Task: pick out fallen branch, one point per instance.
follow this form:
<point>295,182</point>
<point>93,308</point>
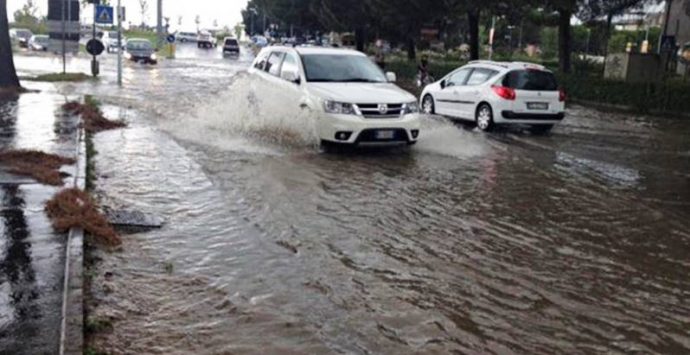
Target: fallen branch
<point>43,167</point>
<point>73,208</point>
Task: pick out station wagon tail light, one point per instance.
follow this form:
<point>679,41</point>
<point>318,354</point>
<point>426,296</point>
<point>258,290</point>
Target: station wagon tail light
<point>504,92</point>
<point>561,95</point>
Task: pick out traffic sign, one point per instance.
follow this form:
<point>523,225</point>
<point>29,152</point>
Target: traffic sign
<point>63,26</point>
<point>104,14</point>
<point>95,47</point>
<point>170,38</point>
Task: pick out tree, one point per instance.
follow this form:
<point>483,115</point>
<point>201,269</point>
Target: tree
<point>8,73</point>
<point>144,9</point>
<point>179,20</point>
<point>591,10</point>
<point>27,14</point>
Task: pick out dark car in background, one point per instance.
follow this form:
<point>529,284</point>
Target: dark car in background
<point>140,50</point>
<point>231,46</point>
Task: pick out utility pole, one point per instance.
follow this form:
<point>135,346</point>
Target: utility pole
<point>64,45</point>
<point>159,28</point>
<point>119,43</point>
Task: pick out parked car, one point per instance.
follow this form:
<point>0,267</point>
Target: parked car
<point>21,36</point>
<point>495,93</point>
<point>140,50</point>
<point>231,46</point>
<point>39,43</point>
<point>356,103</point>
<point>206,40</point>
<point>184,37</point>
<point>110,41</point>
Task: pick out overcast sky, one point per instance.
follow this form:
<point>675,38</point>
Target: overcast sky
<point>226,12</point>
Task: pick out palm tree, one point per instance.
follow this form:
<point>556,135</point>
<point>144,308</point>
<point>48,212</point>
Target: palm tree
<point>8,74</point>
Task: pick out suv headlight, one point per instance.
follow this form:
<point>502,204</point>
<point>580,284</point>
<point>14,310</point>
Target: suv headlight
<point>154,56</point>
<point>340,108</point>
<point>410,107</point>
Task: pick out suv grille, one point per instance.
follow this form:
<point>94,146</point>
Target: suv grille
<point>381,110</point>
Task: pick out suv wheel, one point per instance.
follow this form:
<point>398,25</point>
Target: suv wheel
<point>485,118</point>
<point>428,105</point>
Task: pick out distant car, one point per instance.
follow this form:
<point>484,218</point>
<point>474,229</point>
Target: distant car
<point>206,40</point>
<point>140,50</point>
<point>184,37</point>
<point>355,101</point>
<point>110,41</point>
<point>231,46</point>
<point>22,36</point>
<point>39,43</point>
<point>496,93</point>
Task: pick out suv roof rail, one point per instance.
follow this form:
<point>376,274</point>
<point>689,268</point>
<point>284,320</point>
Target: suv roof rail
<point>488,62</point>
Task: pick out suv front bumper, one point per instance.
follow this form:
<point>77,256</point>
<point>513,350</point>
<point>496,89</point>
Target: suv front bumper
<point>351,129</point>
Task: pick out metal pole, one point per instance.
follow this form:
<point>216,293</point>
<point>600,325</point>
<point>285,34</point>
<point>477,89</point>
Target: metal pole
<point>159,27</point>
<point>94,69</point>
<point>64,45</point>
<point>119,43</point>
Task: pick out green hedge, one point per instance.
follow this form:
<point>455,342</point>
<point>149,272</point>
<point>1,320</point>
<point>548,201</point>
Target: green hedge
<point>670,96</point>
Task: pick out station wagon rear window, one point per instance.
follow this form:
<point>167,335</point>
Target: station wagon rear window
<point>531,80</point>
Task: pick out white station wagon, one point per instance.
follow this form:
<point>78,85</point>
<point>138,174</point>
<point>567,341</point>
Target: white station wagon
<point>492,93</point>
<point>354,101</point>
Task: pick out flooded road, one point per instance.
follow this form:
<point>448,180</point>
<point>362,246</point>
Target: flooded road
<point>577,242</point>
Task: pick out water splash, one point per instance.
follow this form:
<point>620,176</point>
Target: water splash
<point>245,118</point>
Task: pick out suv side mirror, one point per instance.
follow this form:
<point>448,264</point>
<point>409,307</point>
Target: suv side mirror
<point>391,77</point>
<point>291,76</point>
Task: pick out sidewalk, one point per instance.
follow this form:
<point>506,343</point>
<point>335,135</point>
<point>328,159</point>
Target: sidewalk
<point>32,255</point>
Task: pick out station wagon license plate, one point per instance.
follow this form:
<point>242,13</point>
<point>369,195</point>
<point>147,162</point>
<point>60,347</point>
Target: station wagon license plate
<point>385,135</point>
<point>537,106</point>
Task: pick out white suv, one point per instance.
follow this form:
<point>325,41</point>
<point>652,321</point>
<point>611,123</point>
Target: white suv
<point>354,101</point>
<point>491,93</point>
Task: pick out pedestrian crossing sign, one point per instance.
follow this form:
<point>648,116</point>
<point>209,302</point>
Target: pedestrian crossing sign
<point>104,14</point>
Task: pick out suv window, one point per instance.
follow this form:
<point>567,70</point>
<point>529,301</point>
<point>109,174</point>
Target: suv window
<point>480,76</point>
<point>230,42</point>
<point>531,80</point>
<point>459,78</point>
<point>273,63</point>
<point>289,64</point>
<point>260,62</point>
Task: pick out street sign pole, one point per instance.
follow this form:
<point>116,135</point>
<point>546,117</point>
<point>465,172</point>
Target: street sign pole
<point>94,63</point>
<point>64,45</point>
<point>119,43</point>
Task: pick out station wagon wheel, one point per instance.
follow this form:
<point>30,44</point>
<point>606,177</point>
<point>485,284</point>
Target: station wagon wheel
<point>485,118</point>
<point>428,105</point>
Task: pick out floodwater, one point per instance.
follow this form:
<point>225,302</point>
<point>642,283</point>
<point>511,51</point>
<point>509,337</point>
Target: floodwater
<point>577,242</point>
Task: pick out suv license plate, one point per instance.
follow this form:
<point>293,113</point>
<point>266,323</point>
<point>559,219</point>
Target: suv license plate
<point>385,135</point>
<point>537,106</point>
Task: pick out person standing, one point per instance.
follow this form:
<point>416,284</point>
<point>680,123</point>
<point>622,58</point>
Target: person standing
<point>380,56</point>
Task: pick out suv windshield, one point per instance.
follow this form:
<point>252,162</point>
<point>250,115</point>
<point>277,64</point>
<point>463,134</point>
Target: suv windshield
<point>139,45</point>
<point>531,80</point>
<point>341,68</point>
<point>230,42</point>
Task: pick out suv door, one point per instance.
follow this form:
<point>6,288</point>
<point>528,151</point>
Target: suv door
<point>446,99</point>
<point>469,95</point>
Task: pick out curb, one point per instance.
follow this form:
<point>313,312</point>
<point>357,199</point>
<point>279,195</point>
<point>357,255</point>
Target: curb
<point>72,325</point>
